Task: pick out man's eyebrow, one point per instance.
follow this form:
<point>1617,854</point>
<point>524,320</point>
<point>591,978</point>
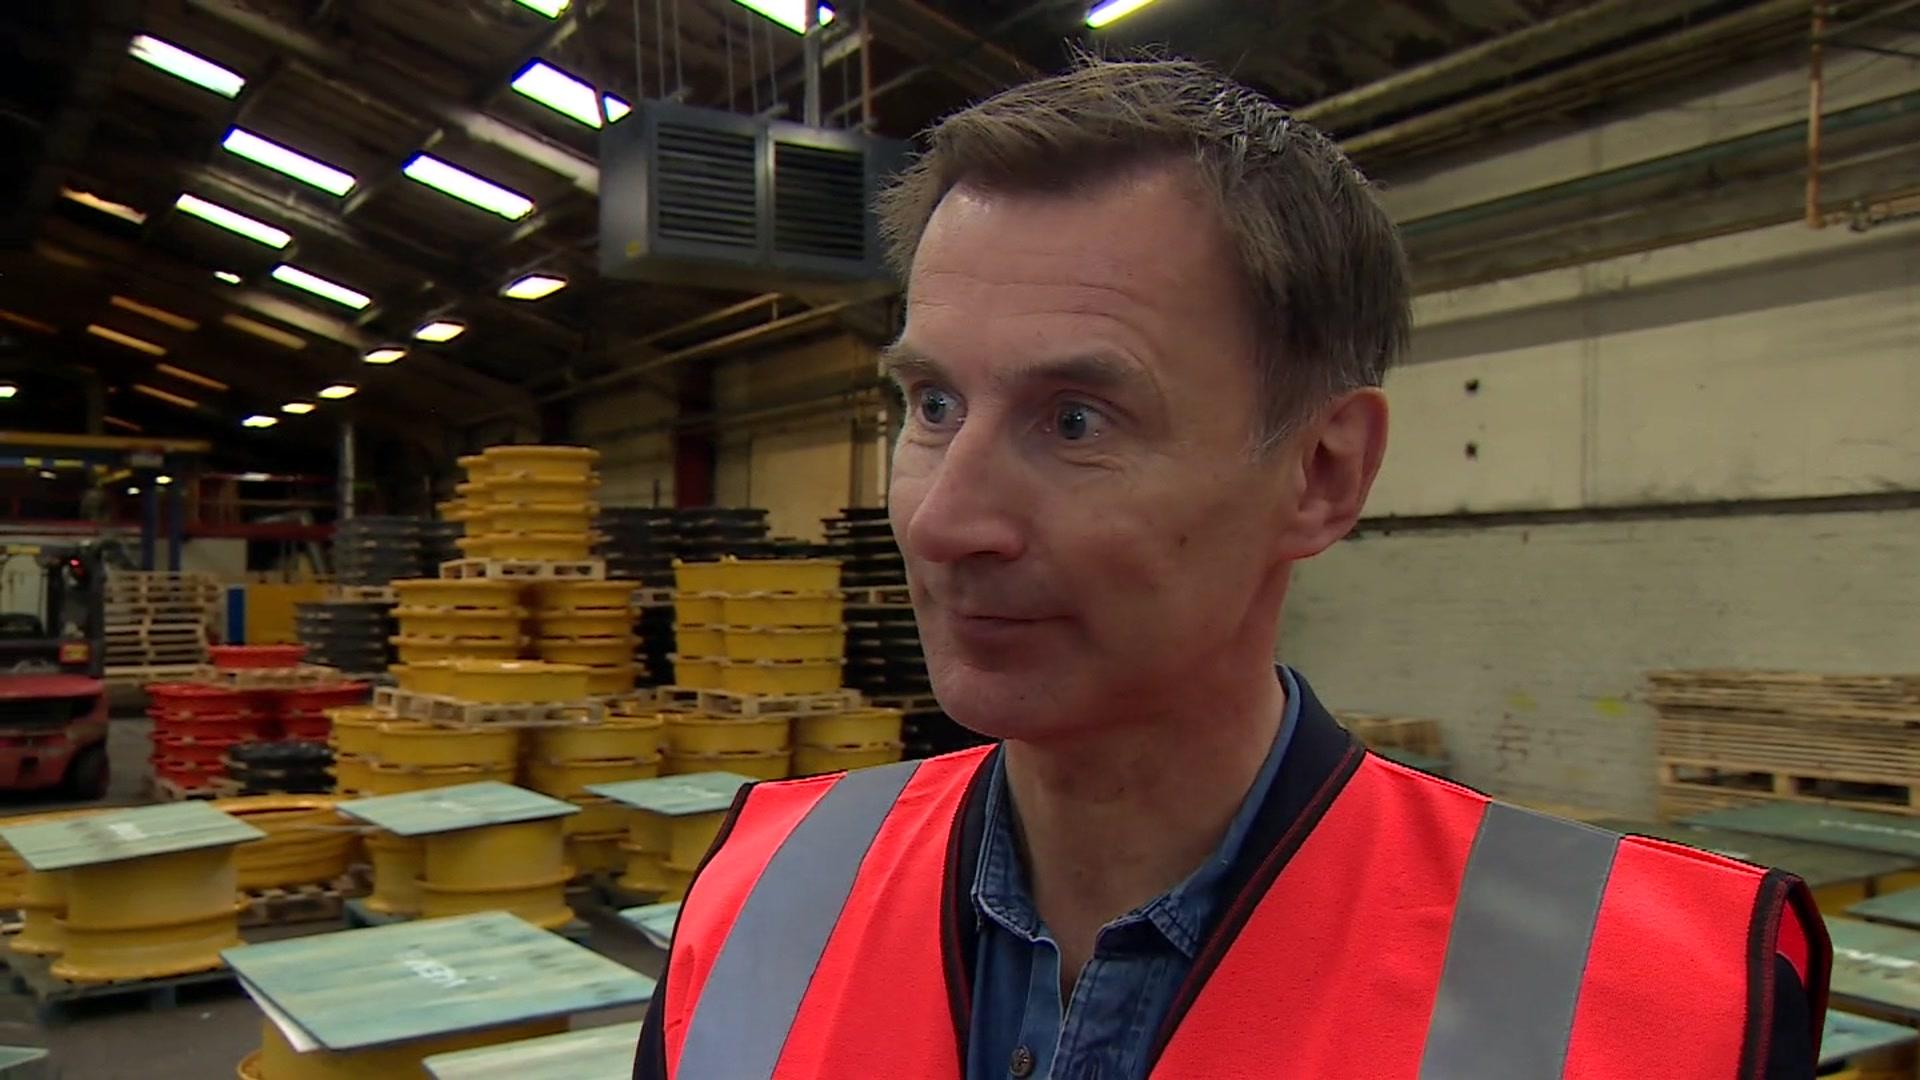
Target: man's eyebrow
<point>902,363</point>
<point>1096,370</point>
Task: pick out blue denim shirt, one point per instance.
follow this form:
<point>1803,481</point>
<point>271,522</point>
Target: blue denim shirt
<point>1139,960</point>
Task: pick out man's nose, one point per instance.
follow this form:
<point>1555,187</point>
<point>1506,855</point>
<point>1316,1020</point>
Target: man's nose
<point>970,506</point>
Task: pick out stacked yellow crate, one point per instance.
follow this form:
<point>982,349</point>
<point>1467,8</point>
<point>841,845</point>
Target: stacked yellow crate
<point>563,761</point>
<point>589,623</point>
<point>470,619</point>
<point>529,503</point>
<point>855,739</point>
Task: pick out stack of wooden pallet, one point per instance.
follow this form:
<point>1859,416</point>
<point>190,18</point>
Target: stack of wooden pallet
<point>1408,740</point>
<point>157,623</point>
<point>1739,738</point>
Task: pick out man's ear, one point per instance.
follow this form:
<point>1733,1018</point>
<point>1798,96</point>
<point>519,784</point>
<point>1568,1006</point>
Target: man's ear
<point>1333,459</point>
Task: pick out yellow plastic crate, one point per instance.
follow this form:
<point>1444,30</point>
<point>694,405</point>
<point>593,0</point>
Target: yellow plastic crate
<point>698,609</point>
<point>591,651</point>
<point>560,622</point>
<point>454,510</point>
<point>692,734</point>
<point>779,676</point>
<point>431,650</point>
<point>480,594</point>
<point>616,737</point>
<point>731,575</point>
<point>696,673</point>
<point>780,609</point>
<point>399,779</point>
<point>475,493</point>
<point>505,681</point>
<point>475,546</point>
<point>583,595</point>
<point>784,643</point>
<point>569,779</point>
<point>860,727</point>
<point>428,746</point>
<point>528,489</point>
<point>536,546</point>
<point>604,679</point>
<point>540,462</point>
<point>477,466</point>
<point>354,729</point>
<point>538,517</point>
<point>597,815</point>
<point>755,765</point>
<point>700,641</point>
<point>458,623</point>
<point>427,677</point>
<point>592,853</point>
<point>814,760</point>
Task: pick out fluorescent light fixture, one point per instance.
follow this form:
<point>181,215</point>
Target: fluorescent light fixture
<point>289,161</point>
<point>321,287</point>
<point>385,354</point>
<point>108,333</point>
<point>534,287</point>
<point>167,396</point>
<point>264,332</point>
<point>254,477</point>
<point>559,91</point>
<point>791,14</point>
<point>123,425</point>
<point>550,8</point>
<point>194,377</point>
<point>106,206</point>
<point>192,67</point>
<point>338,391</point>
<point>26,322</point>
<point>133,491</point>
<point>163,479</point>
<point>8,391</point>
<point>297,408</point>
<point>227,276</point>
<point>1113,11</point>
<point>465,186</point>
<point>259,421</point>
<point>234,221</point>
<point>617,107</point>
<point>440,330</point>
<point>47,474</point>
<point>159,315</point>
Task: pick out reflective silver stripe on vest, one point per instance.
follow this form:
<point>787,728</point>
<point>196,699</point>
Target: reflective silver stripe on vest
<point>1518,949</point>
<point>753,991</point>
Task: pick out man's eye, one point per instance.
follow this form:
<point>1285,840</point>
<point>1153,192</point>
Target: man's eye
<point>935,406</point>
<point>1075,422</point>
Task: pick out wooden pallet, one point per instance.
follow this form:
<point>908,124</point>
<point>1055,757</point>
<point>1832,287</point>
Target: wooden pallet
<point>910,704</point>
<point>377,594</point>
<point>456,712</point>
<point>132,610</point>
<point>145,673</point>
<point>268,678</point>
<point>879,596</point>
<point>730,703</point>
<point>56,998</point>
<point>1724,778</point>
<point>526,569</point>
<point>653,598</point>
<point>1414,735</point>
<point>286,905</point>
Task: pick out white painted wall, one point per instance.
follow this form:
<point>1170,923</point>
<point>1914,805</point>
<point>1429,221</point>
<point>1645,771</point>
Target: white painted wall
<point>633,465</point>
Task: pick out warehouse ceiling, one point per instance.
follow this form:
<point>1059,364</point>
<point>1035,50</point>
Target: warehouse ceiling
<point>101,148</point>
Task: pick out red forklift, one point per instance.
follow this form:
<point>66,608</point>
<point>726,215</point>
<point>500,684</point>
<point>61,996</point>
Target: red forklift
<point>53,703</point>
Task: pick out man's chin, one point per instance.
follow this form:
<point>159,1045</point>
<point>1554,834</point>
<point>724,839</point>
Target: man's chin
<point>1003,705</point>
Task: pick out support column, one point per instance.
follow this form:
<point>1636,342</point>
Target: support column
<point>347,480</point>
<point>149,519</point>
<point>176,524</point>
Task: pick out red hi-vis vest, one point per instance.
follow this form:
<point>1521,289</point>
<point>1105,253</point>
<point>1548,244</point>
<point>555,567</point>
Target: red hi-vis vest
<point>1403,927</point>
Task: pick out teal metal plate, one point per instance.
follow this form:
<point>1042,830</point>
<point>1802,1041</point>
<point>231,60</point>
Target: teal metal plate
<point>21,1061</point>
<point>411,980</point>
<point>1819,864</point>
<point>676,796</point>
<point>1899,908</point>
<point>1877,967</point>
<point>1849,1036</point>
<point>118,835</point>
<point>463,806</point>
<point>602,1053</point>
<point>655,920</point>
<point>1822,825</point>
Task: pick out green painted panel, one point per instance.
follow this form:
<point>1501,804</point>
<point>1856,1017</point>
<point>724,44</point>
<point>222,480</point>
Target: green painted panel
<point>1822,825</point>
<point>463,806</point>
<point>1899,908</point>
<point>21,1061</point>
<point>655,920</point>
<point>410,980</point>
<point>118,835</point>
<point>602,1053</point>
<point>1820,864</point>
<point>1849,1036</point>
<point>1876,966</point>
<point>676,796</point>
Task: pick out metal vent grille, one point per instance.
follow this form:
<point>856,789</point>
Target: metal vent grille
<point>819,202</point>
<point>705,185</point>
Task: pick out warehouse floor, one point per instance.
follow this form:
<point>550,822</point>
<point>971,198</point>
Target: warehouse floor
<point>212,1027</point>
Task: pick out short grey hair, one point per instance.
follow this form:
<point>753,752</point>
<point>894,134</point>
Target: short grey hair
<point>1326,277</point>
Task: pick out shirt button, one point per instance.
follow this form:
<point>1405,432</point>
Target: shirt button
<point>1022,1064</point>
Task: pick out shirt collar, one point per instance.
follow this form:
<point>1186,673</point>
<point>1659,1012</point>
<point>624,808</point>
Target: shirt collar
<point>1000,889</point>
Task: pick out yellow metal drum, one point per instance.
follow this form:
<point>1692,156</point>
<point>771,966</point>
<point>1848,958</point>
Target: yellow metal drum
<point>480,594</point>
<point>561,622</point>
<point>278,1060</point>
<point>755,765</point>
<point>689,837</point>
<point>573,463</point>
<point>597,815</point>
<point>732,575</point>
<point>506,681</point>
<point>428,650</point>
<point>475,625</point>
<point>578,595</point>
<point>388,779</point>
<point>859,727</point>
<point>595,853</point>
<point>814,760</point>
<point>354,728</point>
<point>538,517</point>
<point>649,833</point>
<point>692,734</point>
<point>780,676</point>
<point>520,868</point>
<point>426,746</point>
<point>306,842</point>
<point>614,679</point>
<point>352,774</point>
<point>43,900</point>
<point>150,917</point>
<point>696,674</point>
<point>644,873</point>
<point>593,652</point>
<point>779,609</point>
<point>569,779</point>
<point>616,737</point>
<point>475,545</point>
<point>699,609</point>
<point>476,466</point>
<point>784,643</point>
<point>674,881</point>
<point>700,641</point>
<point>396,873</point>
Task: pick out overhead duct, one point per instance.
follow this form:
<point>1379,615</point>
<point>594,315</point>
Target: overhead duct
<point>704,197</point>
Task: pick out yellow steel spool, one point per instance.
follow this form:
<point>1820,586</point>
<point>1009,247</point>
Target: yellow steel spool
<point>569,779</point>
<point>453,509</point>
<point>784,642</point>
<point>540,461</point>
<point>695,673</point>
<point>648,832</point>
<point>690,835</point>
<point>780,676</point>
<point>597,815</point>
<point>539,517</point>
<point>476,594</point>
<point>150,917</point>
<point>399,779</point>
<point>814,760</point>
<point>278,1060</point>
<point>13,869</point>
<point>475,625</point>
<point>700,642</point>
<point>427,650</point>
<point>476,466</point>
<point>541,546</point>
<point>396,873</point>
<point>616,737</point>
<point>699,609</point>
<point>644,872</point>
<point>780,609</point>
<point>529,489</point>
<point>595,853</point>
<point>507,681</point>
<point>674,881</point>
<point>859,727</point>
<point>755,765</point>
<point>561,622</point>
<point>475,493</point>
<point>42,902</point>
<point>353,728</point>
<point>731,575</point>
<point>426,746</point>
<point>611,651</point>
<point>694,734</point>
<point>543,903</point>
<point>306,842</point>
<point>577,595</point>
<point>519,868</point>
<point>615,679</point>
<point>352,774</point>
<point>476,545</point>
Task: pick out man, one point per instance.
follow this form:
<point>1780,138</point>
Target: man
<point>1148,317</point>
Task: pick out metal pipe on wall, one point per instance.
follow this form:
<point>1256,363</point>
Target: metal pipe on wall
<point>1815,88</point>
<point>810,58</point>
<point>346,479</point>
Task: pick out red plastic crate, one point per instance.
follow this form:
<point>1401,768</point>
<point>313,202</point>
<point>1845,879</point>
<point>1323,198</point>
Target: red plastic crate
<point>194,698</point>
<point>257,656</point>
<point>313,700</point>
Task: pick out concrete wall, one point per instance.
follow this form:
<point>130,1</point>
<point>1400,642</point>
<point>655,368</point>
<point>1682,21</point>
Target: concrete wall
<point>636,466</point>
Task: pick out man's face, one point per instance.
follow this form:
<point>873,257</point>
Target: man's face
<point>1084,527</point>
